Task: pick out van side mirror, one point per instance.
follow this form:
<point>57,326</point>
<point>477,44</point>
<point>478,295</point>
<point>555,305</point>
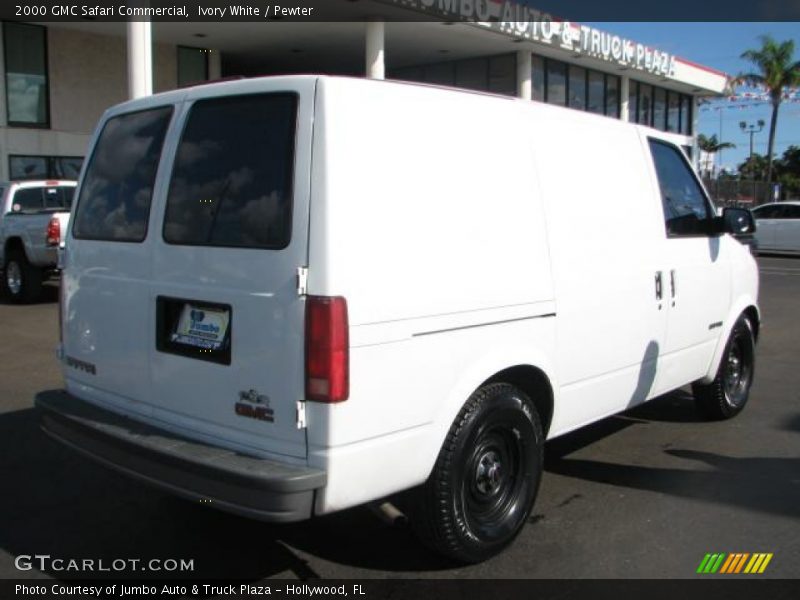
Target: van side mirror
<point>737,221</point>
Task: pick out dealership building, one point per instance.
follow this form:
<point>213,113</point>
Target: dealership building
<point>59,77</point>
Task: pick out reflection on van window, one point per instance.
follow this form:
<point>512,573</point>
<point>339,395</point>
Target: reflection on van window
<point>686,210</point>
<point>114,203</point>
<point>232,180</point>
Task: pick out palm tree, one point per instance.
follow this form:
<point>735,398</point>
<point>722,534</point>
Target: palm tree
<point>777,70</point>
<point>712,144</point>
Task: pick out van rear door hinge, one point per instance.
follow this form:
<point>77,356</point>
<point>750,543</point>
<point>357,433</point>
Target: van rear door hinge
<point>302,281</point>
<point>301,414</point>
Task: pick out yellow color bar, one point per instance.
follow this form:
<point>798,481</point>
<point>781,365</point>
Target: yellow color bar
<point>765,563</point>
<point>754,562</point>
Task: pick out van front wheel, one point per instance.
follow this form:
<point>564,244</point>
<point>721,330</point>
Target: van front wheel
<point>726,396</point>
<point>485,480</point>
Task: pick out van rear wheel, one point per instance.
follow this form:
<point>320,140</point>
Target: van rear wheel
<point>21,280</point>
<point>486,477</point>
<point>726,396</point>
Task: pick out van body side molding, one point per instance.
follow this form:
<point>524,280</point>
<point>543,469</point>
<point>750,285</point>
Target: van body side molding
<point>544,316</point>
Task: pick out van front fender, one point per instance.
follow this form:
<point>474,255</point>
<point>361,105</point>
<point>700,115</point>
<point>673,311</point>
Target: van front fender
<point>744,303</point>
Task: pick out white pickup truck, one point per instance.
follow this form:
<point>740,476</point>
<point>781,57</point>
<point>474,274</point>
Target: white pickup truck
<point>33,218</point>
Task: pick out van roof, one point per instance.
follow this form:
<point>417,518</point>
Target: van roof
<point>251,84</point>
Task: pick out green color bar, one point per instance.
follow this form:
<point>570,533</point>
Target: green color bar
<point>718,564</point>
<point>703,563</point>
<point>710,564</point>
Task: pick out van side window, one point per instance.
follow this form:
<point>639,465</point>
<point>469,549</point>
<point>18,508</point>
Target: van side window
<point>114,202</point>
<point>686,209</point>
<point>232,180</point>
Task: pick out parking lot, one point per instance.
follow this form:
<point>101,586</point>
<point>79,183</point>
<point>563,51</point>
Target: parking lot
<point>643,494</point>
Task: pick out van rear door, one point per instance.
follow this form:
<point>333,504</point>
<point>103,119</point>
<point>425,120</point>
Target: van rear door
<point>200,322</point>
<point>106,283</point>
<point>229,326</point>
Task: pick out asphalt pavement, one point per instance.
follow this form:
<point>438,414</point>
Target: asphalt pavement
<point>645,494</point>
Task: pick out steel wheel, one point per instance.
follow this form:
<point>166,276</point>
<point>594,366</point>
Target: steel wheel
<point>726,396</point>
<point>491,489</point>
<point>481,490</point>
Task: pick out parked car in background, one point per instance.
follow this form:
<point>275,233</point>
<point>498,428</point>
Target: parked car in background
<point>778,227</point>
<point>33,219</point>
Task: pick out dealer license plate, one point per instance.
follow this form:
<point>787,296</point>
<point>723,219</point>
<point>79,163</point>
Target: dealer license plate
<point>202,327</point>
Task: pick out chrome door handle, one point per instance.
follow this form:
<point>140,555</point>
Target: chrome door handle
<point>672,283</point>
<point>659,293</point>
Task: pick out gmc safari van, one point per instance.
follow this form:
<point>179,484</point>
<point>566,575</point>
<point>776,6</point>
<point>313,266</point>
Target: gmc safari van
<point>289,296</point>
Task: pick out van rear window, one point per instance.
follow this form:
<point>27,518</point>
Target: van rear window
<point>232,180</point>
<point>114,201</point>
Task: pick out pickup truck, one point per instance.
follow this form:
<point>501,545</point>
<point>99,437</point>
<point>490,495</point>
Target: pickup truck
<point>33,219</point>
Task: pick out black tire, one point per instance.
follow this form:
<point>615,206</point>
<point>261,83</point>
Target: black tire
<point>22,282</point>
<point>486,477</point>
<point>727,395</point>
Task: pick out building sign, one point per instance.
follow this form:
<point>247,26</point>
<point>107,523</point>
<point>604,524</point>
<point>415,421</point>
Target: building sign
<point>527,23</point>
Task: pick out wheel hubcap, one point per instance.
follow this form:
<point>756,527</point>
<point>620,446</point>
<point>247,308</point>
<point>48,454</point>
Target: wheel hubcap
<point>488,473</point>
<point>737,371</point>
<point>14,277</point>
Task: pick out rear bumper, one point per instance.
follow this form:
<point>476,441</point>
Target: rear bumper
<point>253,487</point>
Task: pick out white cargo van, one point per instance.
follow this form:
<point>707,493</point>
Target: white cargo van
<point>288,296</point>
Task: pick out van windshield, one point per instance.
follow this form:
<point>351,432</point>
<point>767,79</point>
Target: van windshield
<point>232,181</point>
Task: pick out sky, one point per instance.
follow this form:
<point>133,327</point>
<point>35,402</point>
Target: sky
<point>719,45</point>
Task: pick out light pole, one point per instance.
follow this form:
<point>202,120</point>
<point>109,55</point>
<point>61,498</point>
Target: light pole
<point>752,129</point>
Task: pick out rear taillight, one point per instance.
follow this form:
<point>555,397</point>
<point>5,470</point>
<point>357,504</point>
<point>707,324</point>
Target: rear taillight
<point>327,349</point>
<point>54,232</point>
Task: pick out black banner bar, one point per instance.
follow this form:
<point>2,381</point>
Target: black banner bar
<point>730,587</point>
<point>56,11</point>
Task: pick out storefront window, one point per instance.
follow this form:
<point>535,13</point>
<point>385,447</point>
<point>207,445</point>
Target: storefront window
<point>686,115</point>
<point>633,102</point>
<point>577,87</point>
<point>496,74</point>
<point>673,111</point>
<point>441,74</point>
<point>192,65</point>
<point>645,104</point>
<point>44,167</point>
<point>408,74</point>
<point>596,102</point>
<point>612,96</point>
<point>556,82</point>
<point>503,75</point>
<point>25,49</point>
<point>538,78</point>
<point>660,109</point>
<point>472,74</point>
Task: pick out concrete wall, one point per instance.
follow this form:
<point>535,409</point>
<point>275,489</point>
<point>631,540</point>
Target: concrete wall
<point>87,74</point>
